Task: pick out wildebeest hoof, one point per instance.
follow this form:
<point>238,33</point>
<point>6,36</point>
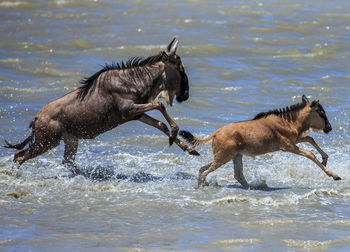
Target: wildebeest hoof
<point>192,151</point>
<point>171,141</point>
<point>337,178</point>
<point>172,137</point>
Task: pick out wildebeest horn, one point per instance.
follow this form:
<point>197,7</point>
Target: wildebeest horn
<point>171,48</point>
<point>305,99</point>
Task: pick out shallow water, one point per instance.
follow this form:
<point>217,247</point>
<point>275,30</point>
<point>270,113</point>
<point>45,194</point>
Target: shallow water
<point>132,191</point>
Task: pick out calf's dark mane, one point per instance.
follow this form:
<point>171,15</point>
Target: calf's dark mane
<point>288,113</point>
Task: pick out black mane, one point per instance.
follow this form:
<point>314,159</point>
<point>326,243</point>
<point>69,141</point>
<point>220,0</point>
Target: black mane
<point>287,113</point>
<point>88,83</point>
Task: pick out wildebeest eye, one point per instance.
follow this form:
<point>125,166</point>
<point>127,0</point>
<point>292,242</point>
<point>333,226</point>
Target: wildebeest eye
<point>321,112</point>
<point>173,58</point>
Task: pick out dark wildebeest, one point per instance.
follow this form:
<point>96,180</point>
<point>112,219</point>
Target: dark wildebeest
<point>267,132</point>
<point>115,95</point>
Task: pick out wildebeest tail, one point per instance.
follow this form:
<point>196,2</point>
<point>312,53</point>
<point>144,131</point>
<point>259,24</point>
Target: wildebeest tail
<point>29,139</point>
<point>193,139</point>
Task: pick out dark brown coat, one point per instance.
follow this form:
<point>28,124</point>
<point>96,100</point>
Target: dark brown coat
<point>115,95</point>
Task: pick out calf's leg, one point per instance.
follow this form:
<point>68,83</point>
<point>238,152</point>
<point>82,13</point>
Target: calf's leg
<point>313,143</point>
<point>205,170</point>
<point>238,169</point>
<point>312,157</point>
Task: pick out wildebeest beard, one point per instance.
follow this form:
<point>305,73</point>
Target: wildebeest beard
<point>184,88</point>
<point>328,126</point>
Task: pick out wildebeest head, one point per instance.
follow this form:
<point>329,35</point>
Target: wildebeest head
<point>318,117</point>
<point>176,78</point>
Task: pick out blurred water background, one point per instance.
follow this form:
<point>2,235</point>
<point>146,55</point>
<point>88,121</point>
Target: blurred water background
<point>136,193</point>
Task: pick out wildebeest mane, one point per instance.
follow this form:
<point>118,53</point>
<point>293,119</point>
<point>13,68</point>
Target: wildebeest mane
<point>288,113</point>
<point>133,66</point>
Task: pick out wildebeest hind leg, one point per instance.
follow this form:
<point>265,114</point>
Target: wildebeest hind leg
<point>35,150</point>
<point>22,155</point>
<point>70,149</point>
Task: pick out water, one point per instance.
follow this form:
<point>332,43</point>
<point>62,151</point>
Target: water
<point>135,192</point>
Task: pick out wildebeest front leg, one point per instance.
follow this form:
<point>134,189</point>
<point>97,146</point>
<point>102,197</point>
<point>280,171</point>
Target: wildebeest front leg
<point>162,127</point>
<point>173,125</point>
<point>138,109</point>
<point>310,140</point>
<point>312,157</point>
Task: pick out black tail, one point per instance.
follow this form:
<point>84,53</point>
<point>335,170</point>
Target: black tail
<point>196,140</point>
<point>188,136</point>
<point>29,139</point>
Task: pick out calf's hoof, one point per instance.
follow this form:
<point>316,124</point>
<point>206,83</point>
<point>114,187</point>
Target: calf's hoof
<point>201,185</point>
<point>337,177</point>
<point>259,184</point>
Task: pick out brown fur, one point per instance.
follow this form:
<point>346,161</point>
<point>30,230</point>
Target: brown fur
<point>267,132</point>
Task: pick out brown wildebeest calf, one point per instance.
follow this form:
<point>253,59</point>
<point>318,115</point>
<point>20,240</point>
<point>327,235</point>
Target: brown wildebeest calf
<point>115,95</point>
<point>267,132</point>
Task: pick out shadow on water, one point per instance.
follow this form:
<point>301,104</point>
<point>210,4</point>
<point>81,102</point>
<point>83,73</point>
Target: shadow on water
<point>97,173</point>
<point>267,188</point>
<point>108,173</point>
<point>255,185</point>
<point>100,173</point>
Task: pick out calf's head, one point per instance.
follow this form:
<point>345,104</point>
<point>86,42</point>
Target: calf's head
<point>318,119</point>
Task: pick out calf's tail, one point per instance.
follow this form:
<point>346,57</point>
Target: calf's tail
<point>195,140</point>
<point>29,139</point>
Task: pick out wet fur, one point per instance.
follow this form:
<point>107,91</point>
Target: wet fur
<point>267,132</point>
<point>116,94</point>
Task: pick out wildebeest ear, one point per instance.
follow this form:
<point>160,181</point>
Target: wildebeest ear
<point>314,103</point>
<point>305,99</point>
<point>171,48</point>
